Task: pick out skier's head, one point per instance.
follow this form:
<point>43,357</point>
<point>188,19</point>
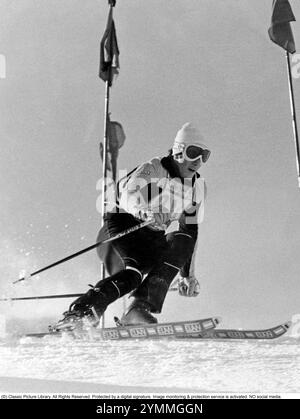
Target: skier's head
<point>188,150</point>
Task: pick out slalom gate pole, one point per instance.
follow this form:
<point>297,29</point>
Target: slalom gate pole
<point>112,4</point>
<point>294,119</point>
<point>104,172</point>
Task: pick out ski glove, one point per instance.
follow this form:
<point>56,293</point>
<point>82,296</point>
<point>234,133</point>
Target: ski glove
<point>189,286</point>
<point>160,220</point>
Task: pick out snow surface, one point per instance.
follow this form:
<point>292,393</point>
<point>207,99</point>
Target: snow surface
<point>54,364</point>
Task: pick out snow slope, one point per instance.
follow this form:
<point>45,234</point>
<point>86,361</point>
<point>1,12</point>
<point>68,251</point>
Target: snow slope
<point>160,366</point>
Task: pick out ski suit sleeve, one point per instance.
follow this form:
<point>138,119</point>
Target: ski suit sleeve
<point>188,223</point>
<point>192,230</point>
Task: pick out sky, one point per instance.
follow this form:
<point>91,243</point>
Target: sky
<point>209,62</point>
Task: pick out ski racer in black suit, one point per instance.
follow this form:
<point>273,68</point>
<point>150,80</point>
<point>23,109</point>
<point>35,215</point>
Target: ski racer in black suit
<point>163,190</point>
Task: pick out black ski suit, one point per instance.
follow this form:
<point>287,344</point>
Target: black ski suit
<point>157,255</point>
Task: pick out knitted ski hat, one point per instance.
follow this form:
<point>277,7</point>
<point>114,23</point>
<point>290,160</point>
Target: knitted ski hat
<point>187,135</point>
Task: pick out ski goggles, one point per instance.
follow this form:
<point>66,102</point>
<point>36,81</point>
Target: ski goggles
<point>191,152</point>
<point>194,152</point>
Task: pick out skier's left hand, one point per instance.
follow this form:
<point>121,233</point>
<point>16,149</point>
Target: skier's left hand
<point>189,286</point>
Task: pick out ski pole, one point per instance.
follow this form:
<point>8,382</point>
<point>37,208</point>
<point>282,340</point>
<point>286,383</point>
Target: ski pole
<point>41,297</point>
<point>87,249</point>
<point>49,297</point>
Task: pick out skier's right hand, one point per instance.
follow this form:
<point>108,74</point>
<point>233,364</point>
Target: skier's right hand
<point>160,221</point>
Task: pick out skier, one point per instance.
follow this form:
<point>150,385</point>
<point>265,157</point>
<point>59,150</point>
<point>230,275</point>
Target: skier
<point>146,262</point>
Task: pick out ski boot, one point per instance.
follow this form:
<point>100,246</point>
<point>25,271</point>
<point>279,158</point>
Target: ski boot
<point>77,319</point>
<point>138,313</point>
<point>82,314</point>
<point>89,307</point>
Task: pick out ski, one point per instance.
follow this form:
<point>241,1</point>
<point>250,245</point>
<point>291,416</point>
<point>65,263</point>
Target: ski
<point>146,331</point>
<point>227,334</point>
<point>159,330</point>
<point>198,330</point>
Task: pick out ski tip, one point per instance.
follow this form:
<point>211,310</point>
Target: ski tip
<point>217,320</point>
<point>287,324</point>
<point>117,321</point>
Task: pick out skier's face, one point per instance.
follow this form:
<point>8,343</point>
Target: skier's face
<point>187,169</point>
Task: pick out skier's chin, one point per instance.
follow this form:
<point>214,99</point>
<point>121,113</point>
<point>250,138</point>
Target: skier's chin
<point>191,172</point>
<point>188,172</point>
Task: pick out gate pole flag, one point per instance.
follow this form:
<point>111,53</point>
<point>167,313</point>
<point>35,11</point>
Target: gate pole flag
<point>280,33</point>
